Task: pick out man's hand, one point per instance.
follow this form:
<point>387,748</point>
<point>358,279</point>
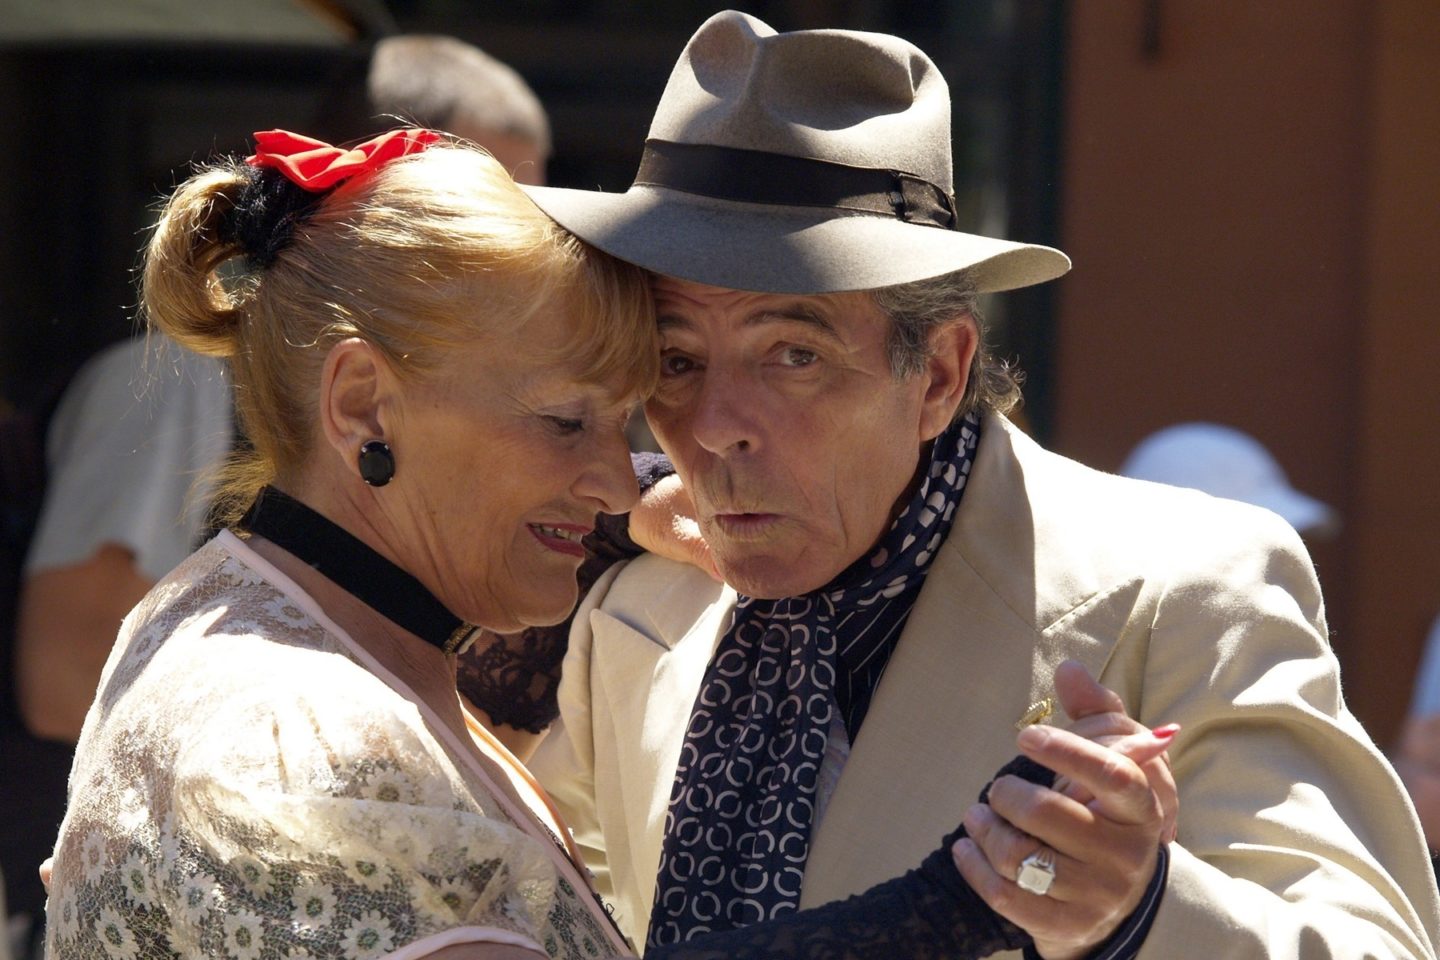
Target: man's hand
<point>1114,806</point>
<point>1098,714</point>
<point>664,523</point>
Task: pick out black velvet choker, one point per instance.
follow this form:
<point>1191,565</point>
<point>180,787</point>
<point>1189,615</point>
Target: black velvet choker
<point>356,568</point>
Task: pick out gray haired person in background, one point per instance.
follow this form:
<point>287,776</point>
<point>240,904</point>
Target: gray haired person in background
<point>446,84</point>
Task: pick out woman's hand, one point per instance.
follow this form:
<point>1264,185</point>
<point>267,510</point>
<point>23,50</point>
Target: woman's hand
<point>664,523</point>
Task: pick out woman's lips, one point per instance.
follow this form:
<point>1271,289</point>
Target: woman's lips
<point>560,537</point>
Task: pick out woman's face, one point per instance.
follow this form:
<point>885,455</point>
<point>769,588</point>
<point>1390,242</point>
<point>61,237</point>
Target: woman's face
<point>502,462</point>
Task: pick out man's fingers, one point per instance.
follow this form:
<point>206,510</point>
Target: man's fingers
<point>1105,727</point>
<point>1145,745</point>
<point>1117,851</point>
<point>1148,749</point>
<point>1005,848</point>
<point>1118,731</point>
<point>1101,866</point>
<point>1081,695</point>
<point>1121,789</point>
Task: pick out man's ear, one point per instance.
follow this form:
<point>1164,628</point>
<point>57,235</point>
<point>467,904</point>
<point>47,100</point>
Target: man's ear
<point>947,373</point>
<point>357,391</point>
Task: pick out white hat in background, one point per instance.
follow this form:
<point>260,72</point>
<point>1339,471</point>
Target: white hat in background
<point>1225,462</point>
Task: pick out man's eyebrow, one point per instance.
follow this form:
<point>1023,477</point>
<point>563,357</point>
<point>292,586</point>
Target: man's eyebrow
<point>786,313</point>
<point>794,313</point>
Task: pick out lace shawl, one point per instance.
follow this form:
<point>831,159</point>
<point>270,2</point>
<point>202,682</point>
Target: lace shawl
<point>244,787</point>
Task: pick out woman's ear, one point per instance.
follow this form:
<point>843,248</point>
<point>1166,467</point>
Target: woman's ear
<point>953,347</point>
<point>357,394</point>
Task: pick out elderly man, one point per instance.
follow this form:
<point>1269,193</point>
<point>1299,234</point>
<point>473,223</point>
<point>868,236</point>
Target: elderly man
<point>905,573</point>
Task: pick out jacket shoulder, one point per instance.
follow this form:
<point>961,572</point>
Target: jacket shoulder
<point>1047,532</point>
<point>657,597</point>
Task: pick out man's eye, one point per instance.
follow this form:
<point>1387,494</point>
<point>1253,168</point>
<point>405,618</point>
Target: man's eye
<point>566,425</point>
<point>798,357</point>
<point>674,364</point>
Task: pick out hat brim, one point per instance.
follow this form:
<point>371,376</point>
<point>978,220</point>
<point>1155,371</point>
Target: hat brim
<point>1304,513</point>
<point>781,249</point>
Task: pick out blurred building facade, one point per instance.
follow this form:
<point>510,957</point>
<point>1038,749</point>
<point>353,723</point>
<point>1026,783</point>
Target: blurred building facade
<point>1251,195</point>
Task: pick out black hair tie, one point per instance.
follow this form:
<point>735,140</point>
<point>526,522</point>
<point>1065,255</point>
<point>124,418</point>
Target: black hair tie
<point>265,215</point>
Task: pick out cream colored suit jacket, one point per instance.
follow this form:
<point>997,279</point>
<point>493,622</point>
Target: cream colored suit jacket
<point>1296,838</point>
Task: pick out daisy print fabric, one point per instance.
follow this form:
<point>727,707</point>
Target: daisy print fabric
<point>244,789</point>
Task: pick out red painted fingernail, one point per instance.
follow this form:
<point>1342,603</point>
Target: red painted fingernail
<point>1166,732</point>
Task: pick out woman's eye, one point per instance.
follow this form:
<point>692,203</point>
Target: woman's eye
<point>675,364</point>
<point>798,357</point>
<point>566,425</point>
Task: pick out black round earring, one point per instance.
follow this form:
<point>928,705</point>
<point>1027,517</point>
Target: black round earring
<point>377,463</point>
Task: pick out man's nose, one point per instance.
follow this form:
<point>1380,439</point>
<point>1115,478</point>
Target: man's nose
<point>725,419</point>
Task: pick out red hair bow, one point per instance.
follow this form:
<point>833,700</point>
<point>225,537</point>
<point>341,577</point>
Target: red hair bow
<point>317,166</point>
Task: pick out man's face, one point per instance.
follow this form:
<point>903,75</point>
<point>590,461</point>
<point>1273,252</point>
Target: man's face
<point>786,425</point>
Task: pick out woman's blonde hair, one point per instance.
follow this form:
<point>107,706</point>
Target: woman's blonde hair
<point>432,249</point>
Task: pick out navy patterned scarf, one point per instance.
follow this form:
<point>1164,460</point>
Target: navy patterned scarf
<point>737,833</point>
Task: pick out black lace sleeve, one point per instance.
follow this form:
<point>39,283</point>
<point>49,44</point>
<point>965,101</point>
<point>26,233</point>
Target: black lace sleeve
<point>929,913</point>
<point>514,678</point>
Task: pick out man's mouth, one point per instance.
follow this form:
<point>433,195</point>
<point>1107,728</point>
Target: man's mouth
<point>746,526</point>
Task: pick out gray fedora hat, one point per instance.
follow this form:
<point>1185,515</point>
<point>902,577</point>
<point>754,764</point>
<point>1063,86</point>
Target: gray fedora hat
<point>809,162</point>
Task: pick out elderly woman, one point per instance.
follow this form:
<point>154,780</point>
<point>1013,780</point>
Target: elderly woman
<point>277,763</point>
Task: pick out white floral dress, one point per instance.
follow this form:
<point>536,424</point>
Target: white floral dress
<point>247,786</point>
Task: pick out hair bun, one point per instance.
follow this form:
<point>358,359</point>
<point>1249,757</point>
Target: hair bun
<point>262,221</point>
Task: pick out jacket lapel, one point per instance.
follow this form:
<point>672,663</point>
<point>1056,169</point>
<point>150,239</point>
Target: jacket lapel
<point>980,646</point>
<point>652,643</point>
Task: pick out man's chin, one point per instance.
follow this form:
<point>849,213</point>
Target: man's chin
<point>770,578</point>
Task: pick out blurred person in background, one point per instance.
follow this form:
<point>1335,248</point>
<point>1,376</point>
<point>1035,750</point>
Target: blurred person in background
<point>127,452</point>
<point>1225,462</point>
<point>446,84</point>
<point>1417,757</point>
